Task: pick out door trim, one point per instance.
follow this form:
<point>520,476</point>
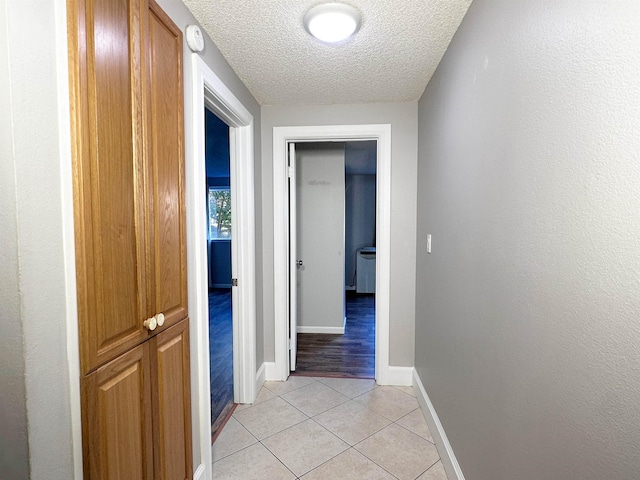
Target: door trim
<point>292,335</point>
<point>208,90</point>
<point>332,133</point>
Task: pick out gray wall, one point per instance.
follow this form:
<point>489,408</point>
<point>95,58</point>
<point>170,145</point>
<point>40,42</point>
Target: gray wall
<point>320,235</point>
<point>403,120</point>
<point>39,281</point>
<point>529,181</point>
<point>360,216</point>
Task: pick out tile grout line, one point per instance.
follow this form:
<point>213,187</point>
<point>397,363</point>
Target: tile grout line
<point>352,447</point>
<point>312,417</point>
<point>393,422</point>
<point>372,460</point>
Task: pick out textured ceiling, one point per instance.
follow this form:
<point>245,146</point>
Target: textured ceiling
<point>390,59</point>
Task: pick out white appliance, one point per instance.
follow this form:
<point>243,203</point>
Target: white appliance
<point>366,270</point>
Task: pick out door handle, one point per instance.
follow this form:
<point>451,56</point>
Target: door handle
<point>299,263</point>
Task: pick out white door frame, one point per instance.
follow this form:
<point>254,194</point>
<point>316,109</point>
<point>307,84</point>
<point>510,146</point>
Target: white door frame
<point>331,133</point>
<point>292,335</point>
<point>208,90</point>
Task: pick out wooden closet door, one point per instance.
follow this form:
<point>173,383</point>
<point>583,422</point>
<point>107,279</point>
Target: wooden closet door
<point>172,404</point>
<point>106,57</point>
<point>117,432</point>
<point>165,159</point>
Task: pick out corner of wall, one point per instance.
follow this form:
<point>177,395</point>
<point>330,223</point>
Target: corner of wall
<point>260,377</point>
<point>271,373</point>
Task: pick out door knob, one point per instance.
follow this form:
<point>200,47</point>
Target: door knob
<point>160,319</point>
<point>151,323</point>
<point>299,263</point>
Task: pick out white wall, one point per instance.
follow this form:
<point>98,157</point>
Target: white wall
<point>33,232</point>
<point>403,120</point>
<point>320,236</point>
<point>528,309</point>
<point>14,449</point>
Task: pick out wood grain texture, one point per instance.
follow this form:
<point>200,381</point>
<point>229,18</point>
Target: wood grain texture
<point>129,181</point>
<point>165,153</point>
<point>348,355</point>
<point>117,432</point>
<point>126,95</point>
<point>105,58</point>
<point>172,404</point>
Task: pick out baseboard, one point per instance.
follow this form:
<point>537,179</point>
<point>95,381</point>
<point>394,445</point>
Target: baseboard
<point>329,330</point>
<point>449,461</point>
<point>221,285</point>
<point>270,371</point>
<point>400,376</point>
<point>260,378</point>
<point>199,473</point>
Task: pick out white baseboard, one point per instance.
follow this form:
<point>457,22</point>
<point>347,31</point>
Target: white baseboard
<point>327,330</point>
<point>330,330</point>
<point>270,371</point>
<point>260,378</point>
<point>449,461</point>
<point>199,473</point>
<point>400,376</point>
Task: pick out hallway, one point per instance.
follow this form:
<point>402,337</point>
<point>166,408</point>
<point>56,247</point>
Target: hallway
<point>316,428</point>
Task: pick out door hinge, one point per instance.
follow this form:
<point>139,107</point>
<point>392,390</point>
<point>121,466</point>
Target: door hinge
<point>290,171</point>
<point>234,282</point>
<point>288,344</point>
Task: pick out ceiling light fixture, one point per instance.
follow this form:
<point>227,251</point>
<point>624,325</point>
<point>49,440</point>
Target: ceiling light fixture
<point>332,22</point>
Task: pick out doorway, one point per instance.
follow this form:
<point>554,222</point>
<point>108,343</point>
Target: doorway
<point>219,263</point>
<point>208,91</point>
<point>335,189</point>
<point>282,137</point>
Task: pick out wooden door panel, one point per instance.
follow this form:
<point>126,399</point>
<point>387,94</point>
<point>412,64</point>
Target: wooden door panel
<point>166,168</point>
<point>172,404</point>
<point>110,192</point>
<point>117,418</point>
<point>129,212</point>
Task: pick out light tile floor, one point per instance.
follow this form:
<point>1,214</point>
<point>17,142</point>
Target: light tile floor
<point>314,428</point>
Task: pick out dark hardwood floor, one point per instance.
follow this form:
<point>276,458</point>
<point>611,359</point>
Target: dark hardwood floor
<point>220,356</point>
<point>348,355</point>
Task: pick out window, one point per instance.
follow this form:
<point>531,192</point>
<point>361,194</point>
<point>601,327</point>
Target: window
<point>219,213</point>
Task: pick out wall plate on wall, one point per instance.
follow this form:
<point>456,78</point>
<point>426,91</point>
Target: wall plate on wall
<point>195,39</point>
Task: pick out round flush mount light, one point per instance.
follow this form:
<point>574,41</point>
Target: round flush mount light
<point>332,22</point>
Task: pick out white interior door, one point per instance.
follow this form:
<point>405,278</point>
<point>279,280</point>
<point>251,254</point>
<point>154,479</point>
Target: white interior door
<point>293,261</point>
<point>320,205</point>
